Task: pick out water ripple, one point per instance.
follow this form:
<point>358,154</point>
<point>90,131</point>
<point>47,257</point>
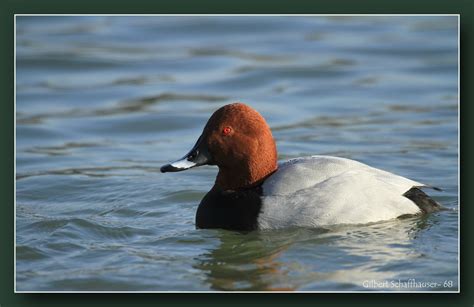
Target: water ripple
<point>130,106</point>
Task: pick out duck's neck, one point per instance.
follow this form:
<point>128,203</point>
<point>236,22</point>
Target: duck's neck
<point>244,176</point>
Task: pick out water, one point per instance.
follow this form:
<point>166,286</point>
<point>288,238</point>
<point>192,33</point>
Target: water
<point>103,102</point>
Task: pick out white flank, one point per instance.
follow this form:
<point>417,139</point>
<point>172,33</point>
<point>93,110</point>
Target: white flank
<point>322,190</point>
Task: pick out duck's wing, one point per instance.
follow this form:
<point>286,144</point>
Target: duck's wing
<point>300,173</point>
<point>321,190</point>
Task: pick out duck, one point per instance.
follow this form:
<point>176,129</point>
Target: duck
<point>253,191</point>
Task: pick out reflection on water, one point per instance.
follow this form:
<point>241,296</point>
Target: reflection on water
<point>259,261</point>
<point>246,262</point>
<point>103,101</point>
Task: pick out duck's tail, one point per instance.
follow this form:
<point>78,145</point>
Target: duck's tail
<point>423,201</point>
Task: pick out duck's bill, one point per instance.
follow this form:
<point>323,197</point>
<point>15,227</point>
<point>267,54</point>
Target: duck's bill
<point>197,156</point>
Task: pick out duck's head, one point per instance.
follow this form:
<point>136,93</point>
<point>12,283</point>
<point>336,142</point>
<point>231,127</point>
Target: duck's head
<point>238,140</point>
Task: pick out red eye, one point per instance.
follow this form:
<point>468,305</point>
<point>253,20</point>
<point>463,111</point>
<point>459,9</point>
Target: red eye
<point>226,130</point>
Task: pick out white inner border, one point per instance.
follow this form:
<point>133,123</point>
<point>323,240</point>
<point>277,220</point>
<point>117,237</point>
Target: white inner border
<point>230,15</point>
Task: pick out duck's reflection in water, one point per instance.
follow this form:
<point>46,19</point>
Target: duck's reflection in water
<point>248,261</point>
<point>284,260</point>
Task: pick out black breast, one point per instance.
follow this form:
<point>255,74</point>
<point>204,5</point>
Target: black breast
<point>233,210</point>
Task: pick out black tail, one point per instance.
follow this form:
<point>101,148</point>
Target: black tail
<point>423,201</point>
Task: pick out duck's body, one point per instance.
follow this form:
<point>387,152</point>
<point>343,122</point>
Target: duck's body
<point>253,192</point>
<point>319,191</point>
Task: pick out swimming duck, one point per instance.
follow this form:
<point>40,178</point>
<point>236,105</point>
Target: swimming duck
<point>253,191</point>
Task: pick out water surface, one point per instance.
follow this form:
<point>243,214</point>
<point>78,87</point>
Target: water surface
<point>103,102</point>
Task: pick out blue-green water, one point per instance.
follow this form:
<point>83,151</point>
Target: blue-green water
<point>103,102</point>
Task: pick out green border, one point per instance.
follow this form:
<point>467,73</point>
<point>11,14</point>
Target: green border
<point>10,7</point>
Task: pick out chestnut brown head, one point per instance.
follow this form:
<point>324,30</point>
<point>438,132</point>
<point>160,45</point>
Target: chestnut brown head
<point>238,140</point>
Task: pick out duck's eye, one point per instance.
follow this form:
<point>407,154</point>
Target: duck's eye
<point>226,130</point>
